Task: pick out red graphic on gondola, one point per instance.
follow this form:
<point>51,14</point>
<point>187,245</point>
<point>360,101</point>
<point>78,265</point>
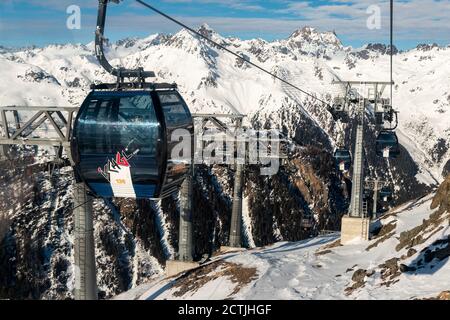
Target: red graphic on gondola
<point>121,160</point>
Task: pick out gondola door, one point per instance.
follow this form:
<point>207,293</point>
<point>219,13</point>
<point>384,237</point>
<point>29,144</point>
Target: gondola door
<point>179,136</point>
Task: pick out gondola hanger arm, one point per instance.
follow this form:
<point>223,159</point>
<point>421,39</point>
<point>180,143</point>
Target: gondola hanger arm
<point>120,73</point>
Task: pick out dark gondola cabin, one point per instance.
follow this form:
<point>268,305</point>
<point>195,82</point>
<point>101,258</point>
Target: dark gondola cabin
<point>386,194</point>
<point>367,194</point>
<point>385,113</point>
<point>387,145</point>
<point>337,110</point>
<point>353,96</point>
<point>379,120</point>
<point>343,159</point>
<point>122,143</point>
<point>307,221</point>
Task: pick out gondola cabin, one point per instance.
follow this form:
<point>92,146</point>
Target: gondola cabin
<point>386,194</point>
<point>122,142</point>
<point>307,222</point>
<point>387,145</point>
<point>367,194</point>
<point>353,96</point>
<point>385,113</point>
<point>337,110</point>
<point>379,120</point>
<point>343,159</point>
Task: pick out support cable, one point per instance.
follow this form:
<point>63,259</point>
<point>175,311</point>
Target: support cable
<point>392,45</point>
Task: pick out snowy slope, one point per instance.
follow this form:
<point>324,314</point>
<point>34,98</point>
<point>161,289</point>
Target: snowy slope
<point>407,260</point>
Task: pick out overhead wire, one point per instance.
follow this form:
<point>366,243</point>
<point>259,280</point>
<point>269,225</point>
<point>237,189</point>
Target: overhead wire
<point>229,51</point>
<point>392,47</point>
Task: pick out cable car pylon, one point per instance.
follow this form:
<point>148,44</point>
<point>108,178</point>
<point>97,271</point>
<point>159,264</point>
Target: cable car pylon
<point>379,188</point>
<point>185,243</point>
<point>356,223</point>
<point>84,245</point>
<point>236,214</point>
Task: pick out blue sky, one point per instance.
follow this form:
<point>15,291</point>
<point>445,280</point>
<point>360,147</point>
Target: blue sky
<point>40,22</point>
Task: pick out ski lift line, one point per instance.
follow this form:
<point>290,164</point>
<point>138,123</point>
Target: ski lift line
<point>392,42</point>
<point>84,203</point>
<point>92,199</point>
<point>218,115</point>
<point>228,50</point>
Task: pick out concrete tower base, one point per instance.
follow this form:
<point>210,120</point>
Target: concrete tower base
<point>228,249</point>
<point>354,229</point>
<point>174,267</point>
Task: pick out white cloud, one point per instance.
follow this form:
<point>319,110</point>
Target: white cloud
<point>418,19</point>
<point>247,5</point>
<point>415,20</point>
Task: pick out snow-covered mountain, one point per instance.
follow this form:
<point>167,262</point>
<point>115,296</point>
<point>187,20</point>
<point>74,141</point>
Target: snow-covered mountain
<point>408,258</point>
<point>134,239</point>
<point>212,80</point>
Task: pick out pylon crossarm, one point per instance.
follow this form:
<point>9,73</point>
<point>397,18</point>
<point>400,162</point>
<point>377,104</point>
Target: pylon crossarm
<point>16,133</point>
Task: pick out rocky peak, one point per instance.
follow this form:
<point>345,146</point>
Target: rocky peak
<point>185,39</point>
<point>381,48</point>
<point>303,31</point>
<point>194,44</point>
<point>206,30</point>
<point>426,47</point>
<point>127,42</point>
<point>142,43</point>
<point>312,35</point>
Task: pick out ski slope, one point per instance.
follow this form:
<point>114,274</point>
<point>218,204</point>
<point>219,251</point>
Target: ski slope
<point>318,269</point>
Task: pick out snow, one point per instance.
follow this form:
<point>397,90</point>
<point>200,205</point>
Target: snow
<point>289,271</point>
<point>163,229</point>
<point>247,223</point>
